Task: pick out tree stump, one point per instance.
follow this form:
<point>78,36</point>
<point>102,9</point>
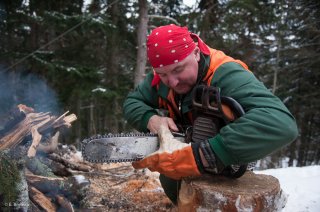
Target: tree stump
<point>251,192</point>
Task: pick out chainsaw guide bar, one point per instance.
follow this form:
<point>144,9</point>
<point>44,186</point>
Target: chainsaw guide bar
<point>113,148</point>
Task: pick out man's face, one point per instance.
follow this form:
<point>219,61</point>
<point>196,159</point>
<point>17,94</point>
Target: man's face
<point>182,76</point>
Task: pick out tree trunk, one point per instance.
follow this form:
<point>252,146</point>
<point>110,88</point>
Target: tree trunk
<point>142,38</point>
<point>276,70</point>
<point>112,70</point>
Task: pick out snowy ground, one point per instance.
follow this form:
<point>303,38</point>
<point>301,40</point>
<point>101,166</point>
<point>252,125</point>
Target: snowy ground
<point>301,184</point>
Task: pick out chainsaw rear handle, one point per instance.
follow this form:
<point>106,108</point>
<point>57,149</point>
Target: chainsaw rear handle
<point>234,106</point>
<point>207,99</point>
<point>207,102</point>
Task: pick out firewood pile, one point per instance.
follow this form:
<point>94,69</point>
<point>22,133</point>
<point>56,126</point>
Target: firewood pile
<point>38,173</point>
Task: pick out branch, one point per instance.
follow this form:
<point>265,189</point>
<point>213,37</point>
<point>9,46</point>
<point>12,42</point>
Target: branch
<point>164,17</point>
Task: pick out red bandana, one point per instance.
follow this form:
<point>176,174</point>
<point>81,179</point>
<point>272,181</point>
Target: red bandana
<point>171,44</point>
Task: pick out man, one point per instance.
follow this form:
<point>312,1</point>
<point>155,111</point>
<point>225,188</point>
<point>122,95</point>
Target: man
<point>182,61</point>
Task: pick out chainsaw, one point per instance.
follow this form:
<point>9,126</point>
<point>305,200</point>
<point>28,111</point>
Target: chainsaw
<point>127,147</point>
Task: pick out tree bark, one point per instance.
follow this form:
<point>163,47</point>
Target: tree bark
<point>41,200</point>
<point>142,39</point>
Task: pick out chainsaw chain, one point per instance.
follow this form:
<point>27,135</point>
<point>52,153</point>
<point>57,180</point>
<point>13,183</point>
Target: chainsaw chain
<point>110,135</point>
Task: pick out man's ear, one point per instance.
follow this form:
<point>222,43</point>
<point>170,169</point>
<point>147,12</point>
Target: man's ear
<point>196,53</point>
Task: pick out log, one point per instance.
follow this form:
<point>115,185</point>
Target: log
<point>64,120</point>
<point>51,165</point>
<point>13,117</point>
<point>38,166</point>
<point>57,168</point>
<point>251,192</point>
<point>23,124</point>
<point>65,191</point>
<point>36,137</point>
<point>69,164</point>
<point>46,184</point>
<point>34,124</point>
<point>51,145</point>
<point>41,200</point>
<point>65,205</point>
<point>35,179</point>
<point>17,133</point>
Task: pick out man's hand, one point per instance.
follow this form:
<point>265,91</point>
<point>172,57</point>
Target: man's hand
<point>156,121</point>
<point>174,158</point>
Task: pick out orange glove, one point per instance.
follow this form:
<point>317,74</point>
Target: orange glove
<point>173,159</point>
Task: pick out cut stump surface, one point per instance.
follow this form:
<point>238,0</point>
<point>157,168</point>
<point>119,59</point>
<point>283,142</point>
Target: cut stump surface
<point>251,192</point>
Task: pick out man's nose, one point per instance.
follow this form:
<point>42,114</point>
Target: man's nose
<point>172,81</point>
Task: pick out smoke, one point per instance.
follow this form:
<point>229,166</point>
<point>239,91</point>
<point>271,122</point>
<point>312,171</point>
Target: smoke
<point>26,88</point>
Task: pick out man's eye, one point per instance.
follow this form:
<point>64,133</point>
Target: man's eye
<point>177,70</point>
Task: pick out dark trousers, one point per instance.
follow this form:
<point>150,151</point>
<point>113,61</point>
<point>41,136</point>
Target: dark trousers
<point>171,188</point>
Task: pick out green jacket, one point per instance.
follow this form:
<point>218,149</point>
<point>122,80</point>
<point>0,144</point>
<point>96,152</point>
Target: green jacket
<point>266,126</point>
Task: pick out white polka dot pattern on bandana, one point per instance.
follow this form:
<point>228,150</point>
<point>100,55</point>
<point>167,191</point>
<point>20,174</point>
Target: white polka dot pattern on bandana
<point>168,45</point>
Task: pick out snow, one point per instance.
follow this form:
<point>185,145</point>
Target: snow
<point>189,3</point>
<point>99,90</point>
<point>301,184</point>
<point>81,179</point>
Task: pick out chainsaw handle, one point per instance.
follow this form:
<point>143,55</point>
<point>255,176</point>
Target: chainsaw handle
<point>207,102</point>
<point>234,106</point>
<point>203,96</point>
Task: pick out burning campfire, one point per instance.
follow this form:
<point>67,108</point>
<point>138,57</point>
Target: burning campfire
<point>39,173</point>
<point>24,134</point>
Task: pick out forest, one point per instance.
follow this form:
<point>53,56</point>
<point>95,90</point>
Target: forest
<point>85,56</point>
